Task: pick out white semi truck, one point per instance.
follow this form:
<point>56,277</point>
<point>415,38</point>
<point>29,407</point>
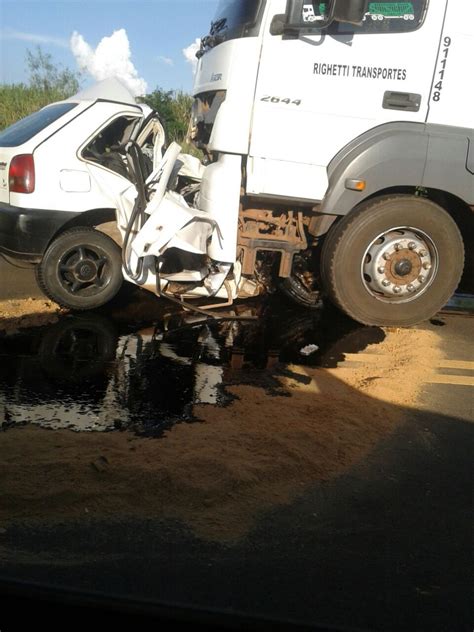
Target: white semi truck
<point>351,143</point>
<point>339,150</point>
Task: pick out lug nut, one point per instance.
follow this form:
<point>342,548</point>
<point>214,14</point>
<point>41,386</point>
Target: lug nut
<point>398,247</point>
<point>412,245</point>
<point>423,253</point>
<point>410,287</point>
<point>386,256</point>
<point>385,282</point>
<point>397,289</point>
<point>427,266</point>
<point>381,269</point>
<point>421,279</point>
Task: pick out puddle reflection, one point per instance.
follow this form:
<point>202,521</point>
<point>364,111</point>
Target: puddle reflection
<point>86,373</point>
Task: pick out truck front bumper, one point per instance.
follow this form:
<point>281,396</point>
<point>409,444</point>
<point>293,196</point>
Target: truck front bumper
<point>25,233</point>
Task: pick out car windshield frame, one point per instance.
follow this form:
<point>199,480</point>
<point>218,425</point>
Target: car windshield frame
<point>25,129</point>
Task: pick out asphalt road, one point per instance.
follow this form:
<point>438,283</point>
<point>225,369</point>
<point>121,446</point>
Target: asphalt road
<point>17,282</point>
<point>384,546</point>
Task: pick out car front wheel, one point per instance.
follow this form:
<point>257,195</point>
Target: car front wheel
<point>81,269</point>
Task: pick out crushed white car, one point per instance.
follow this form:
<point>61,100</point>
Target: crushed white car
<point>54,170</point>
<point>72,168</point>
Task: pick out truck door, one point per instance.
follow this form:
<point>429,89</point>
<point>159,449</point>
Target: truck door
<point>317,92</point>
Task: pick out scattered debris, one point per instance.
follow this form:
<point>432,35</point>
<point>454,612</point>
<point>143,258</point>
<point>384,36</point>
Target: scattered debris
<point>309,349</point>
<point>101,464</point>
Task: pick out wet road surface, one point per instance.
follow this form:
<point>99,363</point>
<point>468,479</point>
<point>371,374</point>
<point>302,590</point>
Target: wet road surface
<point>91,372</point>
<point>361,523</point>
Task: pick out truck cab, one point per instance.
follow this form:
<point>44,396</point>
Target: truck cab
<point>358,123</point>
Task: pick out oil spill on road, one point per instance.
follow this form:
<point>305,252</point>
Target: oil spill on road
<point>98,372</point>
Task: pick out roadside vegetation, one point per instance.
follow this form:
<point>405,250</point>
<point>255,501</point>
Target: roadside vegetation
<point>19,100</point>
<point>49,82</point>
<point>174,108</point>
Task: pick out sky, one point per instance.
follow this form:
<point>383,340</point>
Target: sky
<point>144,39</point>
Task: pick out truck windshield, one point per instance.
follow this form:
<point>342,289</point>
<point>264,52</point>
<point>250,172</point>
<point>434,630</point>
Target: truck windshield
<point>234,18</point>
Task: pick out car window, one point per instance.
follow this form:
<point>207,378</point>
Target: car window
<point>24,130</point>
<point>104,147</point>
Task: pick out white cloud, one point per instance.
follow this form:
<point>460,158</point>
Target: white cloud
<point>111,58</point>
<point>165,60</point>
<point>190,53</point>
<point>34,38</point>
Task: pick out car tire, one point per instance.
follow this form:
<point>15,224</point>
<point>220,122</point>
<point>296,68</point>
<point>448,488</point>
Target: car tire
<point>293,289</point>
<point>78,347</point>
<point>296,288</point>
<point>393,261</point>
<point>81,269</point>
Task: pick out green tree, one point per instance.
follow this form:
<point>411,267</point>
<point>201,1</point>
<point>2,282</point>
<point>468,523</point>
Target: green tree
<point>174,108</point>
<point>50,77</point>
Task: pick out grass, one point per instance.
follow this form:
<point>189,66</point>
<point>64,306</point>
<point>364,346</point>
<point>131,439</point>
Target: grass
<point>17,101</point>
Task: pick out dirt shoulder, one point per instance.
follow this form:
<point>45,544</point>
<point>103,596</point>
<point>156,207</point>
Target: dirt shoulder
<point>217,476</point>
<point>28,312</point>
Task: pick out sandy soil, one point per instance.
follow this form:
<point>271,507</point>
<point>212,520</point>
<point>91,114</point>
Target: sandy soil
<point>17,314</point>
<point>219,476</point>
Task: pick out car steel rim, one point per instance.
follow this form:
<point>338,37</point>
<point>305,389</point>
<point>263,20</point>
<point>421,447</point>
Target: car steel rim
<point>399,265</point>
<point>84,271</point>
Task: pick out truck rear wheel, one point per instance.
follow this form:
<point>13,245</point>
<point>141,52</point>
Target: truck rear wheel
<point>394,261</point>
<point>81,269</point>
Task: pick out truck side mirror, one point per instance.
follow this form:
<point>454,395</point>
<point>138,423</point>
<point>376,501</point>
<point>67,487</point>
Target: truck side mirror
<point>350,11</point>
<point>307,16</point>
<point>278,24</point>
<point>300,15</point>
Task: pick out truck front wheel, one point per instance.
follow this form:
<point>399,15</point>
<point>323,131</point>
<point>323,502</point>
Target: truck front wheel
<point>393,261</point>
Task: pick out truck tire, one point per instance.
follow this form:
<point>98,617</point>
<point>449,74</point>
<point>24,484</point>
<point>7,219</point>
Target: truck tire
<point>81,269</point>
<point>393,261</point>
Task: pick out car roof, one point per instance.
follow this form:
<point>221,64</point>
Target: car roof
<point>111,89</point>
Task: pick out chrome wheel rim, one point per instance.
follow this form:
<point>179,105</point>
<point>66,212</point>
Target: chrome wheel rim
<point>399,265</point>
